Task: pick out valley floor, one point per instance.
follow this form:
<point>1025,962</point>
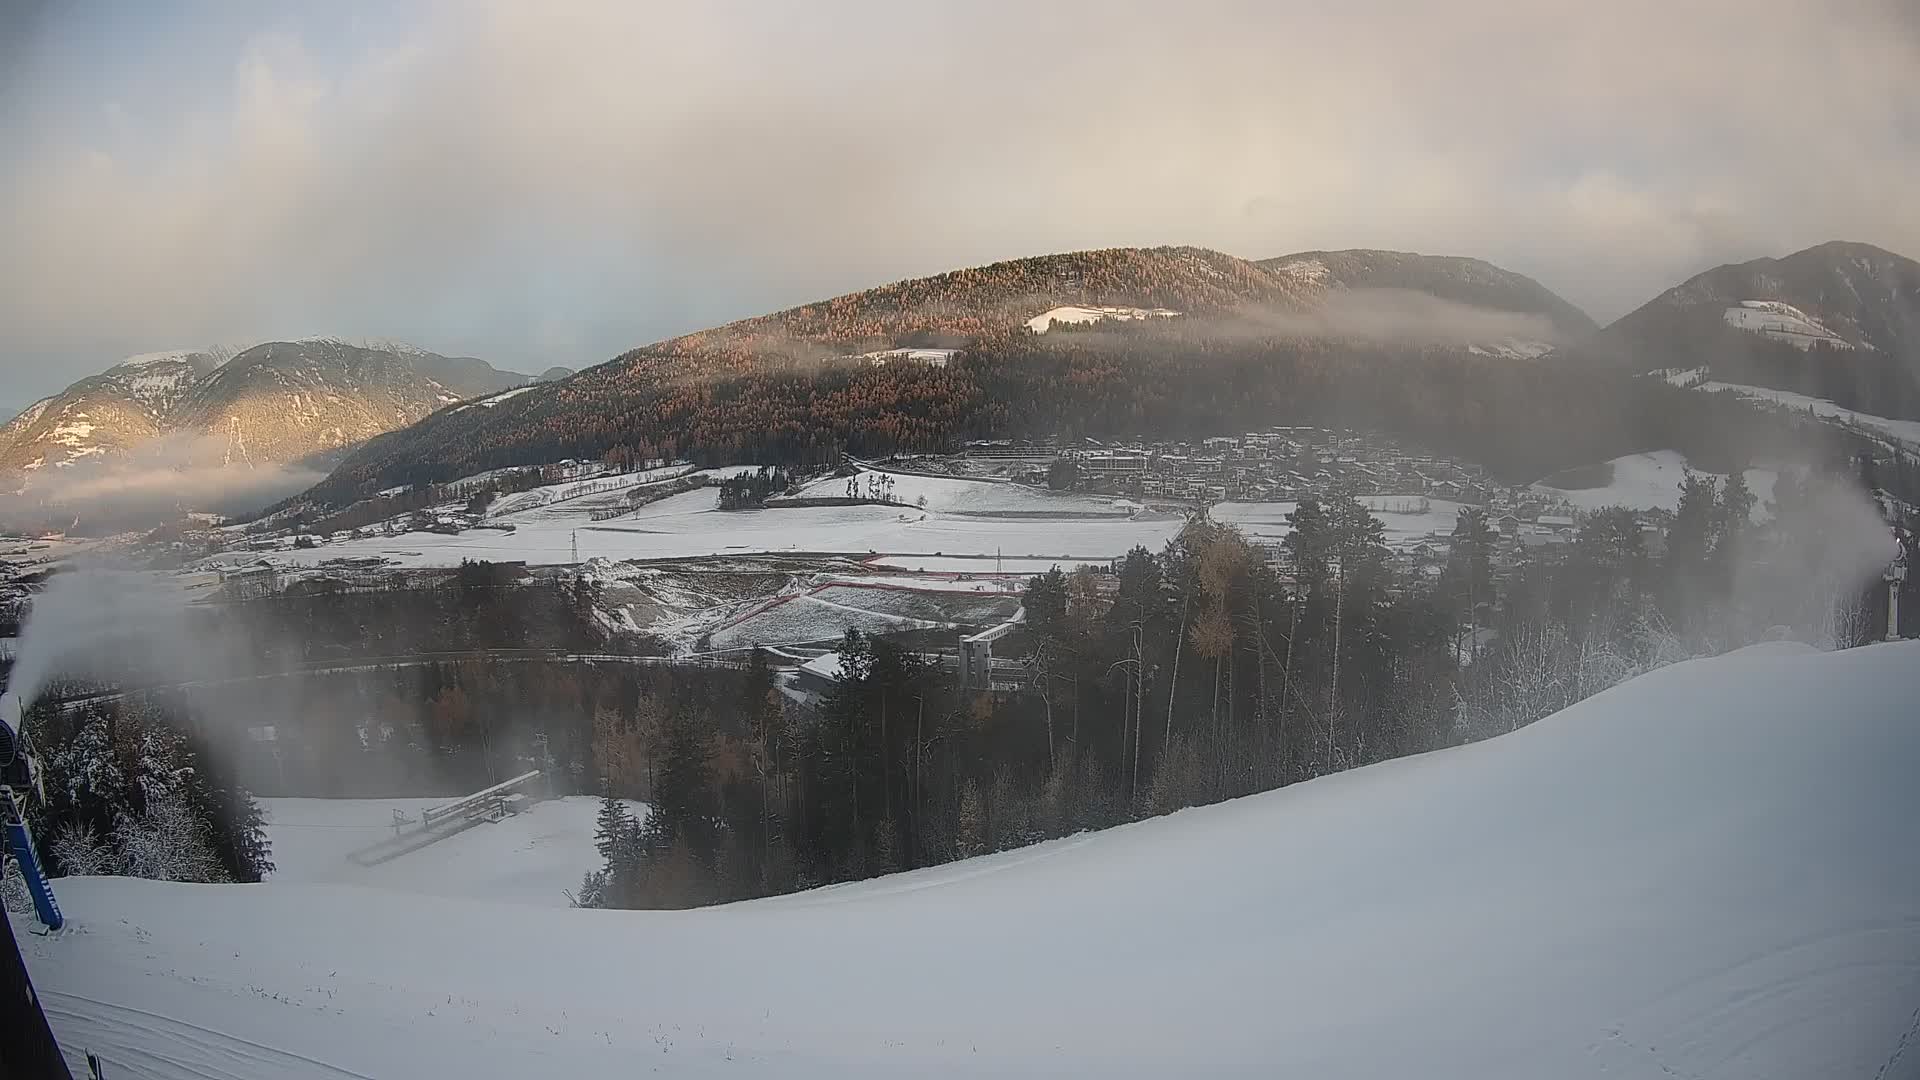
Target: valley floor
<point>1707,872</point>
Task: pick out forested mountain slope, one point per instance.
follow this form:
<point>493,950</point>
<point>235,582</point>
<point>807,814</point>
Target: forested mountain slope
<point>1118,343</point>
<point>1839,321</point>
<point>1474,282</point>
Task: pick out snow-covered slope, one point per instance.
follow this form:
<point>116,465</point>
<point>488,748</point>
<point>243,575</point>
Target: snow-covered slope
<point>1706,873</point>
<point>531,858</point>
<point>1782,322</point>
<point>1651,481</point>
<point>1075,314</point>
<point>116,410</point>
<point>1897,432</point>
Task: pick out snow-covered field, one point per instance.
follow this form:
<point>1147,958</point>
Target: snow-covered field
<point>1075,314</point>
<point>827,611</point>
<point>514,508</point>
<point>1707,873</point>
<point>989,564</point>
<point>529,858</point>
<point>933,357</point>
<point>1906,432</point>
<point>951,495</point>
<point>689,524</point>
<point>1405,525</point>
<point>1651,481</point>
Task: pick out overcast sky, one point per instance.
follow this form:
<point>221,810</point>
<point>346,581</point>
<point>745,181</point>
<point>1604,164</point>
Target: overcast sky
<point>554,182</point>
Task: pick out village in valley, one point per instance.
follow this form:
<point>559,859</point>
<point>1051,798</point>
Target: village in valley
<point>932,551</point>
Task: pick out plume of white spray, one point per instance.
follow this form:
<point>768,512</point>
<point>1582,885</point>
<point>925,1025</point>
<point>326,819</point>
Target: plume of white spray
<point>113,625</point>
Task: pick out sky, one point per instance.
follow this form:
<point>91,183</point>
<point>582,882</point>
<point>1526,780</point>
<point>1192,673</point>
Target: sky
<point>554,183</point>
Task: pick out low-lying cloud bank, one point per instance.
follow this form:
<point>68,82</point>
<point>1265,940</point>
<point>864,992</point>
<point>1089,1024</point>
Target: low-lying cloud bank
<point>157,481</point>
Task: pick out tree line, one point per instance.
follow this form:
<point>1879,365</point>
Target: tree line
<point>1204,671</point>
<point>1207,671</point>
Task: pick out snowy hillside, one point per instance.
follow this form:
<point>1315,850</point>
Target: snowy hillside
<point>1074,314</point>
<point>1898,432</point>
<point>1707,873</point>
<point>1651,481</point>
<point>1782,322</point>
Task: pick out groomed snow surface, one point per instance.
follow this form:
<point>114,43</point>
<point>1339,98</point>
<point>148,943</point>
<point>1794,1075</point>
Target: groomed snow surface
<point>1708,872</point>
<point>531,858</point>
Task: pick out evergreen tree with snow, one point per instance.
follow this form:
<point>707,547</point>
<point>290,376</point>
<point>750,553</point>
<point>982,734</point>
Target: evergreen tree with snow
<point>683,807</point>
<point>236,828</point>
<point>613,824</point>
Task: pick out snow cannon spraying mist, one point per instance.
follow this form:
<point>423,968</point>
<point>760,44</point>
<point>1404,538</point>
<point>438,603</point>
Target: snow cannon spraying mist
<point>15,769</point>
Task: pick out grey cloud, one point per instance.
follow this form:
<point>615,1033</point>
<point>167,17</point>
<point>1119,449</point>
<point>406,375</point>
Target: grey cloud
<point>563,181</point>
<point>1399,315</point>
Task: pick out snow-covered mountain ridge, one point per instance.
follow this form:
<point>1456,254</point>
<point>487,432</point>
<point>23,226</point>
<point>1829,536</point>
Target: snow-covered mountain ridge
<point>271,403</point>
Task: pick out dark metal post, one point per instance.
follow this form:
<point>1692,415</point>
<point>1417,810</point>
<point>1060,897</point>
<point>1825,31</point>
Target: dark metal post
<point>27,1047</point>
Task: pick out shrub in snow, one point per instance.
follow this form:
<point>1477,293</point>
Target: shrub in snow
<point>13,890</point>
<point>76,850</point>
<point>167,842</point>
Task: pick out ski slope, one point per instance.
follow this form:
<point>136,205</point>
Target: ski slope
<point>533,858</point>
<point>1706,873</point>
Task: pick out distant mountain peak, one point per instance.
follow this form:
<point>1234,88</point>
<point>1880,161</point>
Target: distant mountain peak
<point>1860,295</point>
<point>166,356</point>
<point>1839,320</point>
<point>273,402</point>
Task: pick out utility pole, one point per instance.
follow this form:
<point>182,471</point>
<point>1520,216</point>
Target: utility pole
<point>576,547</point>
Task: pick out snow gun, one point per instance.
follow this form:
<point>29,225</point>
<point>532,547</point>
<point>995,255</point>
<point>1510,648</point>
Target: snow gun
<point>19,779</point>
